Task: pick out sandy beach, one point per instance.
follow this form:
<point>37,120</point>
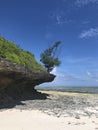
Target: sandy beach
<point>37,115</point>
<point>36,120</point>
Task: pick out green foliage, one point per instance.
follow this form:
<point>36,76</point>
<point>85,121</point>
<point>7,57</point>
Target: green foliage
<point>13,53</point>
<point>50,57</point>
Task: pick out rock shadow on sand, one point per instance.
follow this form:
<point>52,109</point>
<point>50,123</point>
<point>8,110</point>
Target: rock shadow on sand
<point>11,99</point>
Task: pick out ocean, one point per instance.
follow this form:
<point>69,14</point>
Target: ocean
<point>93,90</point>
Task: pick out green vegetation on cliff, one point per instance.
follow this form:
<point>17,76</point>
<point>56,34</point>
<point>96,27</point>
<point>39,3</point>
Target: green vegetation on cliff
<point>13,53</point>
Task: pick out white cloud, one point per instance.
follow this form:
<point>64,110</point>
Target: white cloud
<point>59,16</point>
<point>93,75</point>
<point>89,74</point>
<point>60,19</point>
<point>92,32</point>
<point>75,60</point>
<point>83,75</point>
<point>86,22</point>
<point>54,71</point>
<point>96,80</point>
<point>65,76</point>
<point>70,77</point>
<point>80,3</point>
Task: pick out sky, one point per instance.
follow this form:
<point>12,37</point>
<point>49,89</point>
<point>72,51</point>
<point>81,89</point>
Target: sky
<point>36,24</point>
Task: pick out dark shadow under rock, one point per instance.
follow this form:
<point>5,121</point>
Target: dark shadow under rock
<point>8,100</point>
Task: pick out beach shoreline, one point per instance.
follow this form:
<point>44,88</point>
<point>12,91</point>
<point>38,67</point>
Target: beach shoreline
<point>60,111</point>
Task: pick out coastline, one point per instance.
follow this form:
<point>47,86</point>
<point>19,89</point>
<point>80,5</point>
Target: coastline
<point>60,111</point>
<point>69,93</point>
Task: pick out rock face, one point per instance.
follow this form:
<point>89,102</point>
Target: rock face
<point>18,79</point>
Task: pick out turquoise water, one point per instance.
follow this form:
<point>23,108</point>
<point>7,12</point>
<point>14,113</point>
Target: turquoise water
<point>71,89</point>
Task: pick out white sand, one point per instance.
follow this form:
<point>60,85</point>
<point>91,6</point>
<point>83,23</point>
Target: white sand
<point>13,119</point>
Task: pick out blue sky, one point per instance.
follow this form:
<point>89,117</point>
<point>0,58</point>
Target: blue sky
<point>36,24</point>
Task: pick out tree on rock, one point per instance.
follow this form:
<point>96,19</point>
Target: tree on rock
<point>50,57</point>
